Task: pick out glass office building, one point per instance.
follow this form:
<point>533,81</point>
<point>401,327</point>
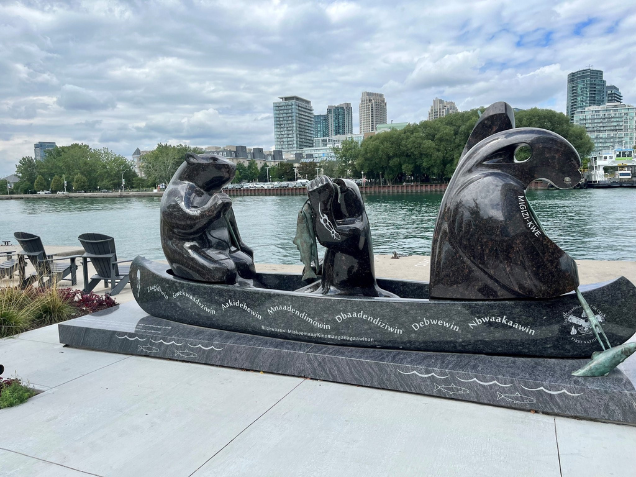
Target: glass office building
<point>321,125</point>
<point>585,88</point>
<point>613,94</point>
<point>340,119</point>
<point>610,126</point>
<point>293,123</point>
<point>40,148</point>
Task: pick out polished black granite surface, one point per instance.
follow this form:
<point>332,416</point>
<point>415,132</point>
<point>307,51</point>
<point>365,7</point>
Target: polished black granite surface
<point>548,328</point>
<point>537,384</point>
<point>342,227</point>
<point>199,233</point>
<point>488,244</point>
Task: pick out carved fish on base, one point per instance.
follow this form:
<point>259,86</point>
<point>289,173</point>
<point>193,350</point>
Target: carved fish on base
<point>451,389</point>
<point>516,398</point>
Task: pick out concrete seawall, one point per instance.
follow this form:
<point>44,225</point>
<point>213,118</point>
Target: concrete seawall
<point>375,189</point>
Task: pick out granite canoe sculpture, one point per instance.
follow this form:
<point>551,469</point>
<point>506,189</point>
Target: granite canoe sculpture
<point>499,285</point>
<point>554,328</point>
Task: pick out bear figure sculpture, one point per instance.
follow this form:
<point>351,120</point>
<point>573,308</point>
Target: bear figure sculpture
<point>199,234</point>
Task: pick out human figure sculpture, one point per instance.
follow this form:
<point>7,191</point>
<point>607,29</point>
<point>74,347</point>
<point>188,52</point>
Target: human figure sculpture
<point>199,234</point>
<point>341,225</point>
<point>488,244</point>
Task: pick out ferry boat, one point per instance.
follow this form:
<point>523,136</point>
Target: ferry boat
<point>615,168</point>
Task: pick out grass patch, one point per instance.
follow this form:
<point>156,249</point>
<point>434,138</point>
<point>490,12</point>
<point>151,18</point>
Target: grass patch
<point>13,392</point>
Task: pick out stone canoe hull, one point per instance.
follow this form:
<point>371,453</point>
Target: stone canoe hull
<point>553,328</point>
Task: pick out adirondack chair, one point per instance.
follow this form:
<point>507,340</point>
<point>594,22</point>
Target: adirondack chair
<point>9,265</point>
<point>100,250</point>
<point>46,266</point>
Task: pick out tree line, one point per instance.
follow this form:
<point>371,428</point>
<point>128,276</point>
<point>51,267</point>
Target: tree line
<point>81,167</point>
<point>423,152</point>
<point>429,151</point>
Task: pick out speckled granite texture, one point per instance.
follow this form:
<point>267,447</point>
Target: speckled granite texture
<point>538,384</point>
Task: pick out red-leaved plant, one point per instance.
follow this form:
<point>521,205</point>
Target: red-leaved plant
<point>86,302</point>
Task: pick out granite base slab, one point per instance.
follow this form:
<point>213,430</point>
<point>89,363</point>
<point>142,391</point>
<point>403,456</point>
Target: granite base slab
<point>538,384</point>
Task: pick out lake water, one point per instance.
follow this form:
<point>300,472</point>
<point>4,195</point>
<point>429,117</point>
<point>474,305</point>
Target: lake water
<point>588,224</point>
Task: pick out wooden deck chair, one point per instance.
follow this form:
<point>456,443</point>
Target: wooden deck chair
<point>100,250</point>
<point>9,265</point>
<point>47,267</point>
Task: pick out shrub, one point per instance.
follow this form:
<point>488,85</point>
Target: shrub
<point>17,311</point>
<point>21,310</point>
<point>87,302</point>
<point>13,392</point>
<point>52,306</point>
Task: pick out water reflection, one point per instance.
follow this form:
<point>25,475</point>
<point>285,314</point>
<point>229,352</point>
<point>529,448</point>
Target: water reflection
<point>588,224</point>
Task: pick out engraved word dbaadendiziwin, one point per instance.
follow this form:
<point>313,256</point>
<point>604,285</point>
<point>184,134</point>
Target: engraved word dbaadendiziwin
<point>302,315</point>
<point>426,322</point>
<point>503,320</point>
<point>525,214</point>
<point>376,321</point>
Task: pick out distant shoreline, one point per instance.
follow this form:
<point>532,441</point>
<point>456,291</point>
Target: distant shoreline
<point>368,189</point>
<point>87,195</point>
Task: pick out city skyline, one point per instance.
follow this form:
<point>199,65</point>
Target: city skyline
<point>125,76</point>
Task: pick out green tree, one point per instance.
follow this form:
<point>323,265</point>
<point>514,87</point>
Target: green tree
<point>241,174</point>
<point>69,161</point>
<point>262,173</point>
<point>329,168</point>
<point>140,183</point>
<point>40,184</point>
<point>307,170</point>
<point>160,165</point>
<point>27,171</point>
<point>112,167</point>
<point>252,171</point>
<point>347,155</point>
<point>3,187</point>
<point>284,172</point>
<point>558,123</point>
<point>57,184</point>
<point>80,183</point>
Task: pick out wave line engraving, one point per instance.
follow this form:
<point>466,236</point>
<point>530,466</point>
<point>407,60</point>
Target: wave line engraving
<point>423,375</point>
<point>541,388</point>
<point>484,384</point>
<point>131,339</point>
<point>166,343</point>
<point>203,347</point>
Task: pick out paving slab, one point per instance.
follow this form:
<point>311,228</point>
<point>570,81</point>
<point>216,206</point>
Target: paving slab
<point>331,429</point>
<point>141,416</point>
<point>539,384</point>
<point>13,464</point>
<point>48,365</point>
<point>46,334</point>
<point>591,448</point>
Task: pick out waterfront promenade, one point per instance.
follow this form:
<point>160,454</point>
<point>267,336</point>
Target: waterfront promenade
<point>108,414</point>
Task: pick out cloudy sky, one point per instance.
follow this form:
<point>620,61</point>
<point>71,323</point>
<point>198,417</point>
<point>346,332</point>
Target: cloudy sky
<point>131,74</point>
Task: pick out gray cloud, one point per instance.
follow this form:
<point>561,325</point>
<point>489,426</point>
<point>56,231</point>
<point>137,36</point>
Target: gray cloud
<point>124,74</point>
<point>74,97</point>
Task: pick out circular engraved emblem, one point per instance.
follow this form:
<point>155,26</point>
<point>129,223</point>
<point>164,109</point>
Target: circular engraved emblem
<point>578,325</point>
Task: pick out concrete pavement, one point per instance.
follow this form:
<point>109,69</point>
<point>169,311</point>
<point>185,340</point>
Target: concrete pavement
<point>108,414</point>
